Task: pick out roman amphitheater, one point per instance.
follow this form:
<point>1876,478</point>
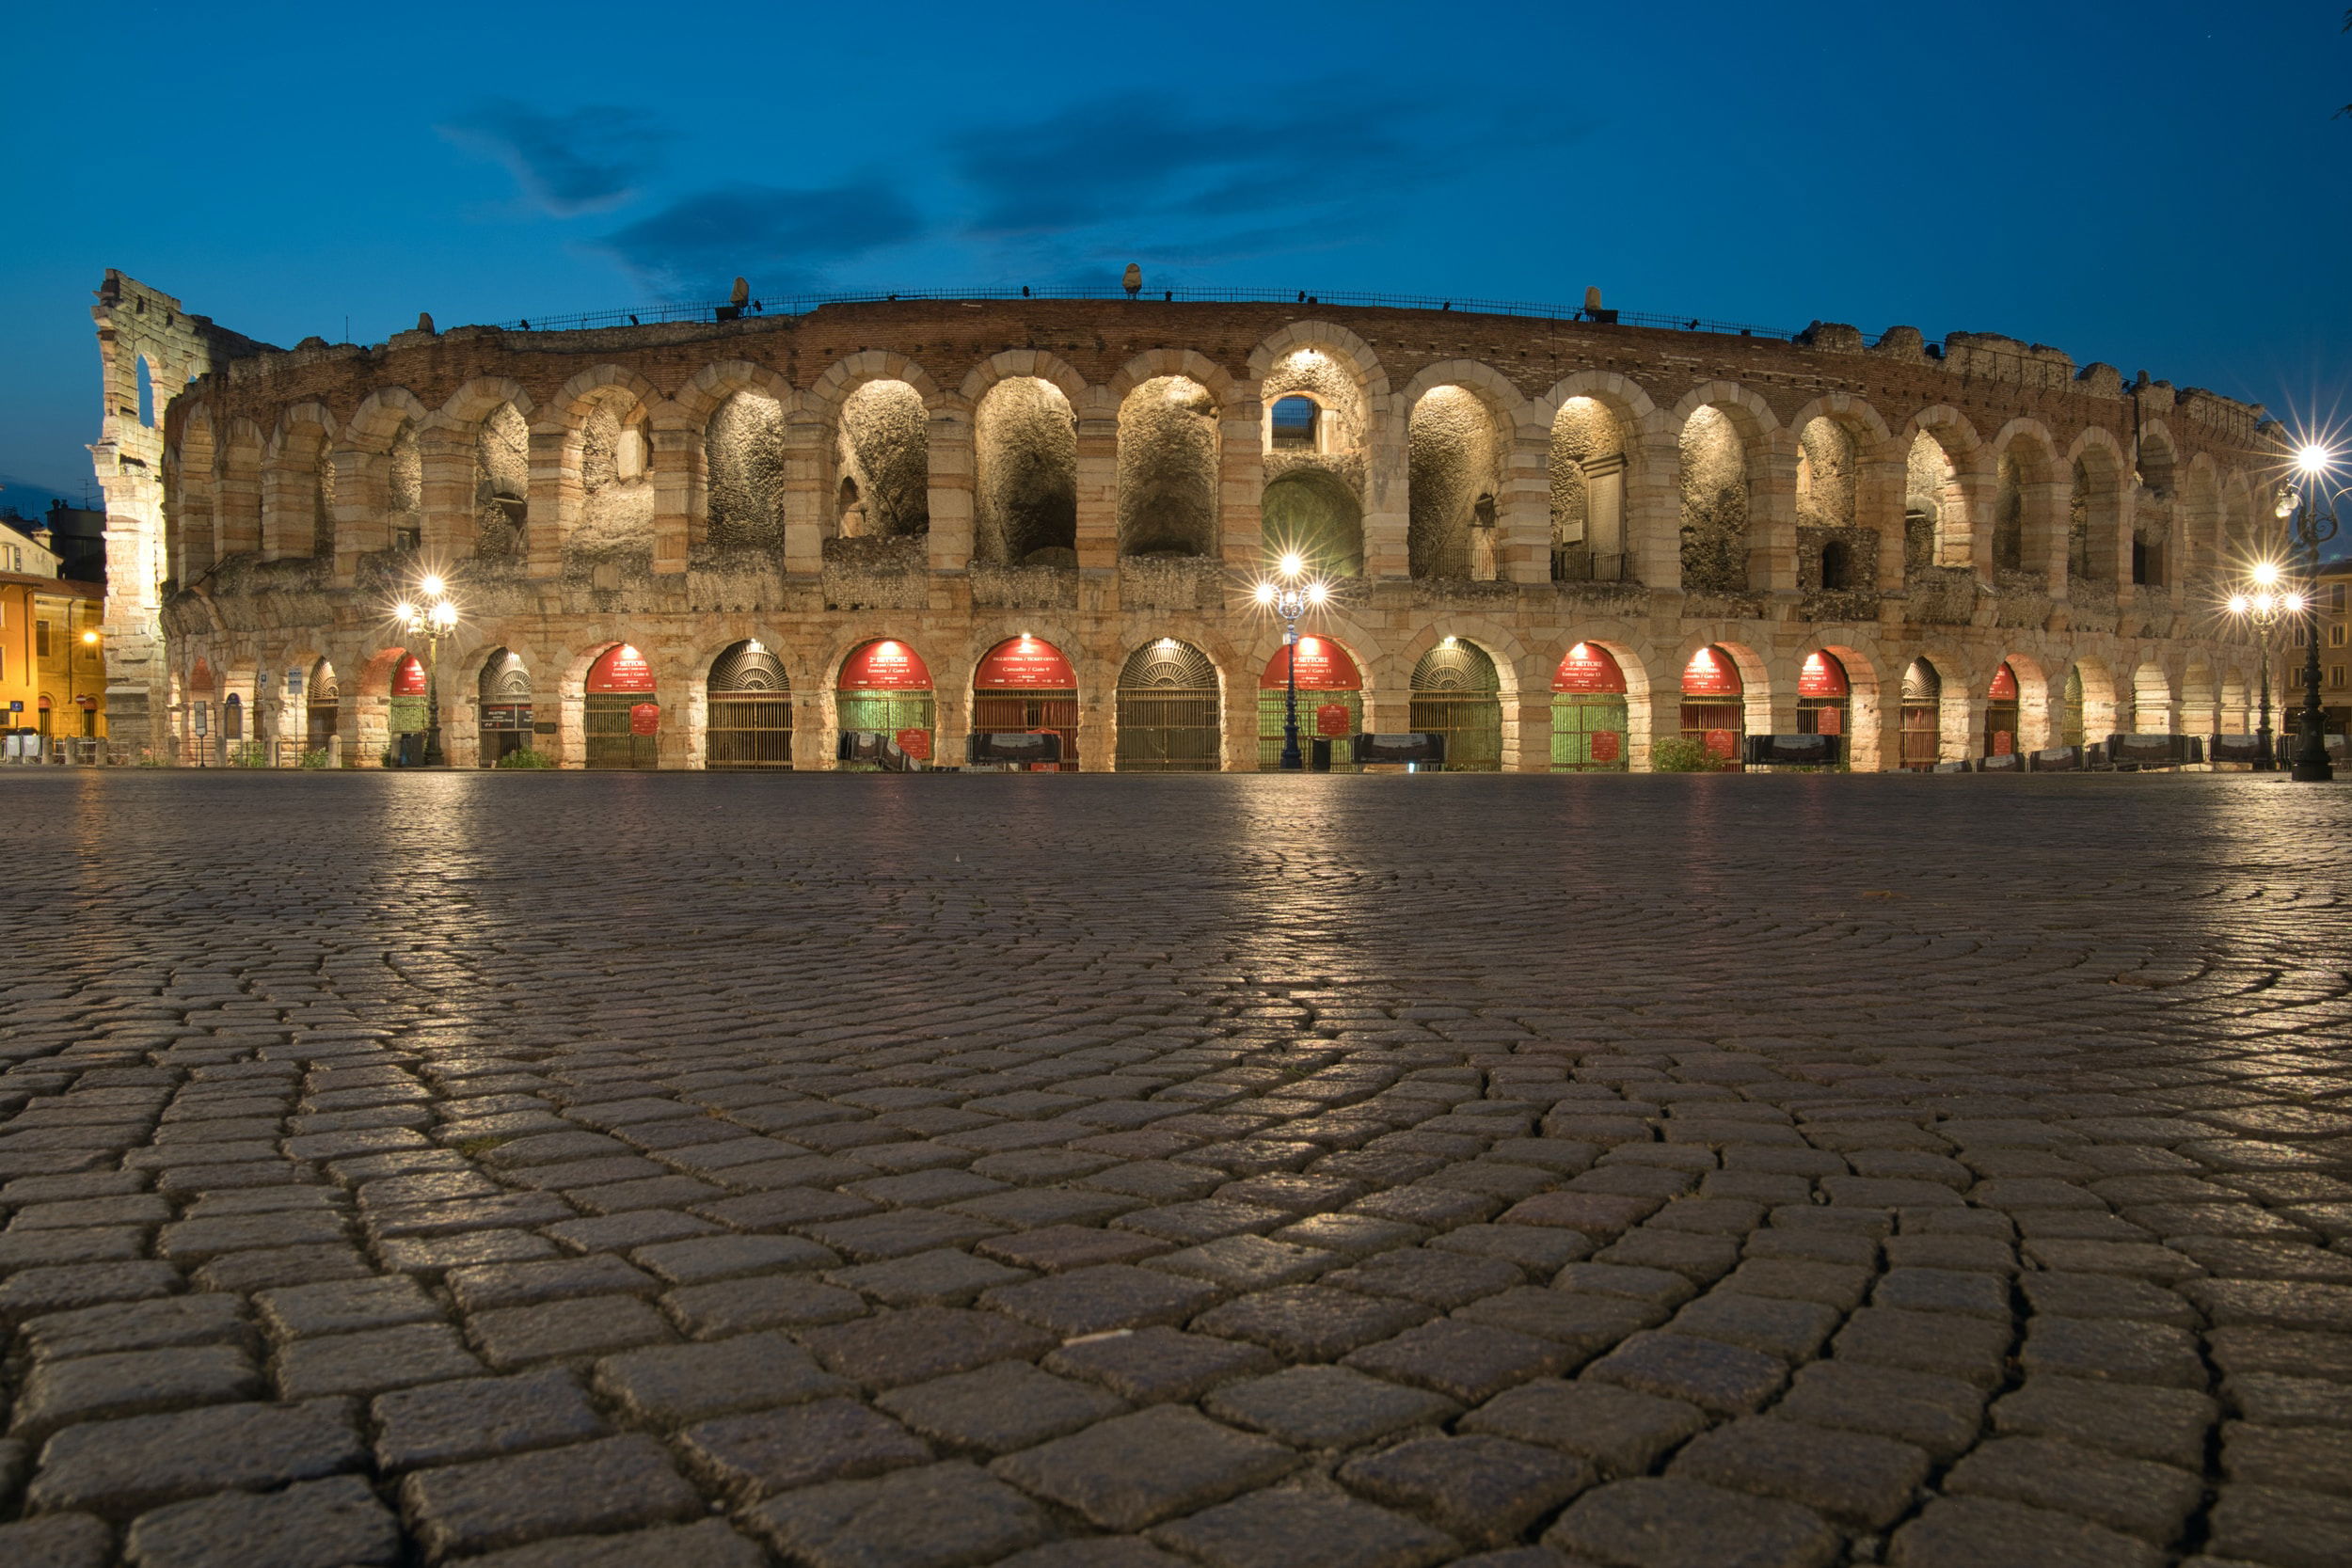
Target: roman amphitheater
<point>1566,541</point>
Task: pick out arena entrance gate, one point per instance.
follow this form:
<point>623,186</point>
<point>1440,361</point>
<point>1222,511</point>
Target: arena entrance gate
<point>1588,723</point>
<point>322,709</point>
<point>408,714</point>
<point>1025,684</point>
<point>1825,698</point>
<point>1456,693</point>
<point>885,689</point>
<point>1169,718</point>
<point>1922,717</point>
<point>2071,728</point>
<point>504,695</point>
<point>1714,707</point>
<point>749,712</point>
<point>1331,705</point>
<point>2001,714</point>
<point>621,721</point>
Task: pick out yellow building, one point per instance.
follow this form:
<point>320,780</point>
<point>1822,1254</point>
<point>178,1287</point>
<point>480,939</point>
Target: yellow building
<point>53,668</point>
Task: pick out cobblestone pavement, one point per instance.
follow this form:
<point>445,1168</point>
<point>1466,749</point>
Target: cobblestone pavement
<point>1252,1172</point>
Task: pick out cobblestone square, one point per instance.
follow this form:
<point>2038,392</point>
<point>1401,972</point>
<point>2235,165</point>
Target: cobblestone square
<point>926,1171</point>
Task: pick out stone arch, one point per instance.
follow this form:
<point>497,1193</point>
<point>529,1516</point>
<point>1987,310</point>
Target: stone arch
<point>500,449</point>
<point>1755,680</point>
<point>378,421</point>
<point>738,467</point>
<point>2157,462</point>
<point>1024,364</point>
<point>1169,453</point>
<point>1357,357</point>
<point>601,425</point>
<point>2095,508</point>
<point>238,515</point>
<point>2152,699</point>
<point>880,453</point>
<point>191,497</point>
<point>841,379</point>
<point>2090,707</point>
<point>1460,424</point>
<point>1590,447</point>
<point>1946,468</point>
<point>2028,507</point>
<point>1163,363</point>
<point>1025,431</point>
<point>1344,385</point>
<point>1718,451</point>
<point>298,485</point>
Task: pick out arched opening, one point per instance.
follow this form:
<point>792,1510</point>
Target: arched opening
<point>300,512</point>
<point>1824,695</point>
<point>621,719</point>
<point>1587,494</point>
<point>501,483</point>
<point>403,489</point>
<point>231,717</point>
<point>748,709</point>
<point>612,454</point>
<point>322,709</point>
<point>1026,442</point>
<point>1331,704</point>
<point>1934,514</point>
<point>1290,423</point>
<point>2152,701</point>
<point>885,709</point>
<point>1314,514</point>
<point>885,456</point>
<point>145,400</point>
<point>1169,717</point>
<point>1837,567</point>
<point>2009,515</point>
<point>1714,707</point>
<point>1458,693</point>
<point>201,692</point>
<point>1922,720</point>
<point>2003,714</point>
<point>1168,458</point>
<point>1588,718</point>
<point>743,462</point>
<point>1456,472</point>
<point>507,712</point>
<point>192,500</point>
<point>2091,519</point>
<point>1714,504</point>
<point>1025,687</point>
<point>408,713</point>
<point>2071,716</point>
<point>239,506</point>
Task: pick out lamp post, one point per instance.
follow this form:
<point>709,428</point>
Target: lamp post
<point>431,619</point>
<point>2262,606</point>
<point>1289,598</point>
<point>2312,514</point>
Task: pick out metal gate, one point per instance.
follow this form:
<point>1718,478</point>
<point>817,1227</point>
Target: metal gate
<point>1456,693</point>
<point>1031,712</point>
<point>323,710</point>
<point>505,710</point>
<point>612,729</point>
<point>1922,717</point>
<point>749,724</point>
<point>1168,712</point>
<point>1588,730</point>
<point>2071,732</point>
<point>1718,727</point>
<point>907,716</point>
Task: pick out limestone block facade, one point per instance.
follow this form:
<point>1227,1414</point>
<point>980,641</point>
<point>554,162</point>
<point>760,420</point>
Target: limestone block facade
<point>1958,526</point>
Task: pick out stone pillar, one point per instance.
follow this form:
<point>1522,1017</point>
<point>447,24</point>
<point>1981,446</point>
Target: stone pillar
<point>1098,490</point>
<point>237,508</point>
<point>2045,504</point>
<point>1241,481</point>
<point>1523,512</point>
<point>953,463</point>
<point>675,463</point>
<point>1604,511</point>
<point>951,721</point>
<point>1098,735</point>
<point>807,510</point>
<point>1969,542</point>
<point>1653,513</point>
<point>1388,492</point>
<point>449,523</point>
<point>1526,731</point>
<point>1959,717</point>
<point>359,500</point>
<point>555,493</point>
<point>1772,515</point>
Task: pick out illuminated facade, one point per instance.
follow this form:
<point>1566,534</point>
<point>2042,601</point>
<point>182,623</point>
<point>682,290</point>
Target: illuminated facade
<point>857,537</point>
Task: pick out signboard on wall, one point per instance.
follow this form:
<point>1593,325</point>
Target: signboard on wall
<point>1588,669</point>
<point>885,665</point>
<point>1824,675</point>
<point>1333,718</point>
<point>1323,666</point>
<point>1024,664</point>
<point>622,669</point>
<point>1711,674</point>
<point>408,678</point>
<point>914,743</point>
<point>2004,685</point>
<point>645,719</point>
<point>1606,745</point>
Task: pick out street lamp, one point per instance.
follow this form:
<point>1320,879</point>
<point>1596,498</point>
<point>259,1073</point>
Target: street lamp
<point>2263,608</point>
<point>2312,510</point>
<point>432,615</point>
<point>1290,598</point>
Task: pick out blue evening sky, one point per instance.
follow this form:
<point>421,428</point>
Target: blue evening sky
<point>2152,183</point>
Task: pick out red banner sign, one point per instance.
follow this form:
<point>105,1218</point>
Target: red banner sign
<point>1822,676</point>
<point>885,665</point>
<point>1830,720</point>
<point>1323,666</point>
<point>645,719</point>
<point>621,668</point>
<point>1607,745</point>
<point>1711,674</point>
<point>1721,745</point>
<point>2004,686</point>
<point>2003,742</point>
<point>915,743</point>
<point>1333,718</point>
<point>1024,664</point>
<point>1588,669</point>
<point>408,678</point>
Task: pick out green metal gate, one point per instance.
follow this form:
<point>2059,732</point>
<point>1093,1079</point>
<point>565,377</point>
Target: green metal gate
<point>1457,695</point>
<point>1588,731</point>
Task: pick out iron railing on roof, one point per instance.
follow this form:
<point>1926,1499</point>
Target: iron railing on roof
<point>796,304</point>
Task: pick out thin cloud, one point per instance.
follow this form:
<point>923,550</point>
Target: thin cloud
<point>586,161</point>
<point>790,238</point>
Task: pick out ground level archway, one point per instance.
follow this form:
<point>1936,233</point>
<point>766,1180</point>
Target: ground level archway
<point>1331,704</point>
<point>1588,712</point>
<point>1922,717</point>
<point>1458,693</point>
<point>748,710</point>
<point>1825,699</point>
<point>2003,714</point>
<point>507,712</point>
<point>884,706</point>
<point>1714,707</point>
<point>1169,714</point>
<point>621,719</point>
<point>1024,685</point>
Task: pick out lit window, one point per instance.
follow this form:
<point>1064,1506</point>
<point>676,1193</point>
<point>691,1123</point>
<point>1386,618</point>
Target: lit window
<point>2335,637</point>
<point>1294,423</point>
